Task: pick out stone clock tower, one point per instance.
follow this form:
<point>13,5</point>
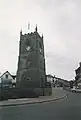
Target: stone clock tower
<point>31,63</point>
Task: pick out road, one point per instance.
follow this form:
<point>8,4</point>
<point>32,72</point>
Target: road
<point>67,109</point>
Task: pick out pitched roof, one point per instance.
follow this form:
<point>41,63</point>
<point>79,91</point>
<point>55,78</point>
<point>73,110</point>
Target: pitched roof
<point>9,74</point>
<point>4,73</point>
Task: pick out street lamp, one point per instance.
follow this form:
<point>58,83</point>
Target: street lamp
<point>1,88</point>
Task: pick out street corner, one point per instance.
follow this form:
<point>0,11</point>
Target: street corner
<point>31,101</point>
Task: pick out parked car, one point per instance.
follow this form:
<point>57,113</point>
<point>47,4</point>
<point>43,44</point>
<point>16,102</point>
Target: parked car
<point>73,89</point>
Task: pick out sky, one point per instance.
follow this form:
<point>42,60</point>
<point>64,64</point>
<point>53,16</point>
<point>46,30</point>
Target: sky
<point>60,23</point>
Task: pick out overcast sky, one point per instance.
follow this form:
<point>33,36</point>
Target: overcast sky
<point>58,20</point>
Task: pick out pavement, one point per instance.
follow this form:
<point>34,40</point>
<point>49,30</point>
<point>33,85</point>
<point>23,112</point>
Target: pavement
<point>57,94</point>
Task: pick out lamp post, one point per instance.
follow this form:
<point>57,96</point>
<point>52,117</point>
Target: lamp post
<point>1,89</point>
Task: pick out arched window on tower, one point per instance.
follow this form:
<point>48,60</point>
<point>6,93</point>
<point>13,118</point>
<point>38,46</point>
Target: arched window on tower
<point>40,46</point>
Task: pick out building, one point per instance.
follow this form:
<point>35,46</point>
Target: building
<point>7,80</point>
<point>78,76</point>
<point>56,81</point>
<point>59,82</point>
<point>31,73</point>
<point>51,79</point>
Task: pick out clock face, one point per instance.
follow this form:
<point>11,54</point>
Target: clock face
<point>28,48</point>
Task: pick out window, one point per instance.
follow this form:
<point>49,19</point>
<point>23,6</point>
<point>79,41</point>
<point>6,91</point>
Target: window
<point>40,45</point>
<point>6,76</point>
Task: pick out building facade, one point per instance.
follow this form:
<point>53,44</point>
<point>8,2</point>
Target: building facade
<point>78,76</point>
<point>7,80</point>
<point>51,79</point>
<point>57,82</point>
<point>31,72</point>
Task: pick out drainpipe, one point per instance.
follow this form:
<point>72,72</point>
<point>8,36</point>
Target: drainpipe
<point>1,89</point>
<point>80,69</point>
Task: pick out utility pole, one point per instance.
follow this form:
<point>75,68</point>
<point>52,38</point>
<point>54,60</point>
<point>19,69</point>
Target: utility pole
<point>1,89</point>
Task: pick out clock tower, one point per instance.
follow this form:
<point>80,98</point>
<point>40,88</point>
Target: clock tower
<point>31,72</point>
